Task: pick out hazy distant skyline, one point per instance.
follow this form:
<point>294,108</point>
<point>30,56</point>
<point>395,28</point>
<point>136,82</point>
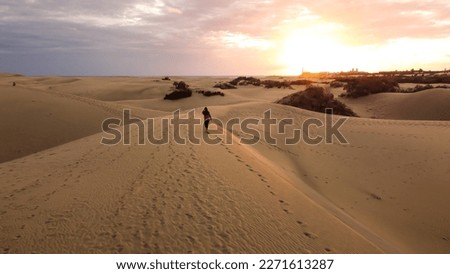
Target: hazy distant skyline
<point>175,37</point>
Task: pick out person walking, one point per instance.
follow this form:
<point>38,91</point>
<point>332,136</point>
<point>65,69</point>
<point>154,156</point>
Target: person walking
<point>207,117</point>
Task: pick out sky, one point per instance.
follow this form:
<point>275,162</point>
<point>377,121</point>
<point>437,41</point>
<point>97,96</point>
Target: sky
<point>206,37</point>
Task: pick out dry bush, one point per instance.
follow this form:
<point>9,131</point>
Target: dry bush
<point>362,86</point>
<point>182,90</point>
<point>316,99</point>
<point>208,93</point>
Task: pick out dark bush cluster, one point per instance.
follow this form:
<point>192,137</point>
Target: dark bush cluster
<point>208,93</point>
<point>276,84</point>
<point>418,88</point>
<point>225,86</point>
<point>245,81</point>
<point>301,82</point>
<point>316,99</point>
<point>362,86</point>
<point>337,84</point>
<point>424,79</point>
<point>166,78</point>
<point>182,90</point>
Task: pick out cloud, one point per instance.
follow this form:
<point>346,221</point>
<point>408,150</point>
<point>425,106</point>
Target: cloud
<point>378,21</point>
<point>237,40</point>
<point>174,10</point>
<point>154,32</point>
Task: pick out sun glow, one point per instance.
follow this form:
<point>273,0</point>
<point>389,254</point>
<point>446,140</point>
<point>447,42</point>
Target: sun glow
<point>313,50</point>
<point>318,48</point>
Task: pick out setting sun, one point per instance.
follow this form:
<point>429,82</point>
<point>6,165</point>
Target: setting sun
<point>313,49</point>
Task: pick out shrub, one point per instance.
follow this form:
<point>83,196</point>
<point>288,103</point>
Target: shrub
<point>178,94</point>
<point>245,81</point>
<point>424,79</point>
<point>418,88</point>
<point>276,84</point>
<point>362,86</point>
<point>182,90</point>
<point>337,84</point>
<point>315,98</point>
<point>208,93</point>
<point>225,86</point>
<point>301,82</point>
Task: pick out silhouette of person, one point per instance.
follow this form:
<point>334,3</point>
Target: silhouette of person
<point>207,117</point>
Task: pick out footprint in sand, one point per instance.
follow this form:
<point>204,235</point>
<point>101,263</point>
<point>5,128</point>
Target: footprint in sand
<point>375,196</point>
<point>249,167</point>
<point>310,235</point>
<point>283,202</point>
<point>301,223</point>
<point>191,239</point>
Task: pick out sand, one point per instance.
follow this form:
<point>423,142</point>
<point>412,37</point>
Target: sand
<point>384,192</point>
<point>428,105</point>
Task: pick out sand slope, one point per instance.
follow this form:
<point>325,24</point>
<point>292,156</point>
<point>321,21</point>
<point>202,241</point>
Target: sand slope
<point>392,177</point>
<point>32,120</point>
<point>431,104</point>
<point>385,191</point>
<point>86,197</point>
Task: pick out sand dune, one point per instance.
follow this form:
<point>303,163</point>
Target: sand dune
<point>33,120</point>
<point>385,191</point>
<point>431,104</point>
<point>86,197</point>
<point>389,177</point>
